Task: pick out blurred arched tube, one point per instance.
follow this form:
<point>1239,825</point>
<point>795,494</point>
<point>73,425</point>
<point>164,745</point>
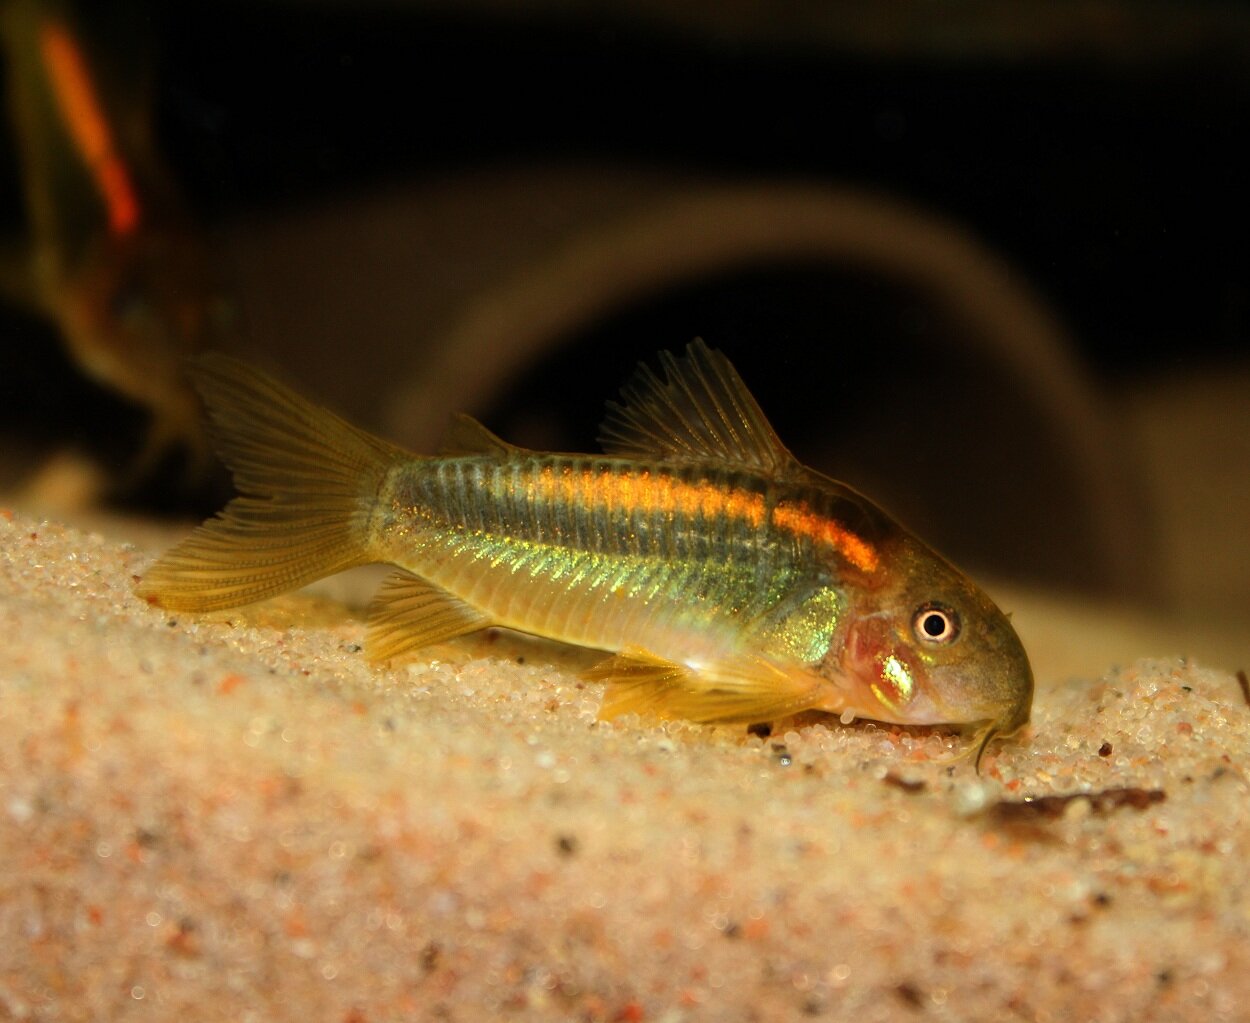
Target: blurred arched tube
<point>980,430</point>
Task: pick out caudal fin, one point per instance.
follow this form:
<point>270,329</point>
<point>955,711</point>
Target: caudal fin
<point>307,483</point>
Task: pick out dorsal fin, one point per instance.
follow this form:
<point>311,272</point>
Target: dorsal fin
<point>466,436</point>
<point>700,411</point>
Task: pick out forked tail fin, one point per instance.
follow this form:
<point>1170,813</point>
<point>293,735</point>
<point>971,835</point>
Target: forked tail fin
<point>307,482</point>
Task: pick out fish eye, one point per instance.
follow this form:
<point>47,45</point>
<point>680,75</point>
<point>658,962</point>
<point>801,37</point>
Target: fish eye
<point>935,624</point>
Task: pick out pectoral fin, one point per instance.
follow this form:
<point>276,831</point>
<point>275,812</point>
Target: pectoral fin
<point>745,690</point>
<point>409,612</point>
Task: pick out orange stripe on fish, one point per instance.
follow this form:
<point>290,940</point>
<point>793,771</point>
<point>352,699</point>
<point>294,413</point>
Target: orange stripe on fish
<point>800,519</point>
<point>664,494</point>
<point>650,493</point>
<point>76,97</point>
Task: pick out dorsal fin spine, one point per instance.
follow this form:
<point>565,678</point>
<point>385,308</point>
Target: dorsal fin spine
<point>701,411</point>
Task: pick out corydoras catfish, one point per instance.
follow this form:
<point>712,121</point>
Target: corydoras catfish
<point>732,583</point>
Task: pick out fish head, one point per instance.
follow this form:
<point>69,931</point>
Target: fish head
<point>925,645</point>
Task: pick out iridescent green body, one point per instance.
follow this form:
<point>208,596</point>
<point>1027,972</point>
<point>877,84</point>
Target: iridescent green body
<point>611,553</point>
<point>734,583</point>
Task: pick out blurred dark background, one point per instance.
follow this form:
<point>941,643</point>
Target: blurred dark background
<point>377,179</point>
<point>1104,159</point>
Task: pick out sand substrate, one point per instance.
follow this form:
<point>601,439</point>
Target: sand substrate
<point>242,819</point>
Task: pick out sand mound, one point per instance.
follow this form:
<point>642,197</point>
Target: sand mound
<point>241,819</point>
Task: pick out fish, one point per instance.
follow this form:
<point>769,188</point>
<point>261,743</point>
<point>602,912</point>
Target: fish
<point>728,582</point>
<point>113,258</point>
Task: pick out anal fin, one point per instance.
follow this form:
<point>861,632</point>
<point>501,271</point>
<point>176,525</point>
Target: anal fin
<point>744,690</point>
<point>409,612</point>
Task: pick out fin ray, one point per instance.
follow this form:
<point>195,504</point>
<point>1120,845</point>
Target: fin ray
<point>306,479</point>
<point>745,690</point>
<point>466,436</point>
<point>408,612</point>
<point>700,411</point>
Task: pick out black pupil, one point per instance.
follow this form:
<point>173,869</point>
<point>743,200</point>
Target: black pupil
<point>934,624</point>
